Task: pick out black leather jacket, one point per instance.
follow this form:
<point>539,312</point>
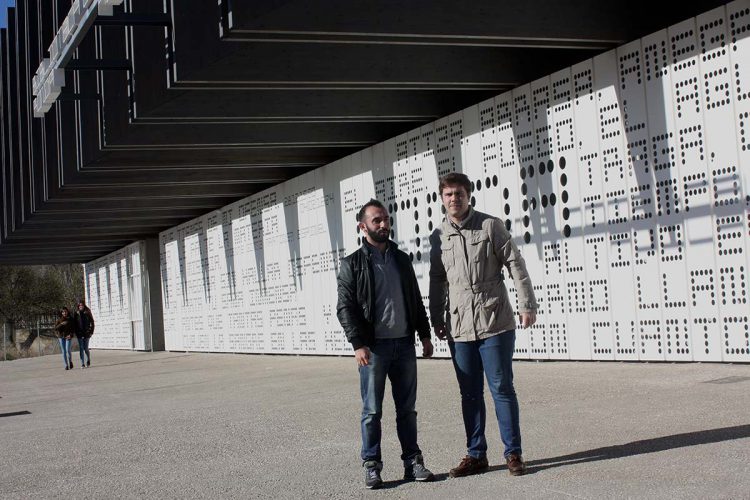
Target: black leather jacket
<point>356,290</point>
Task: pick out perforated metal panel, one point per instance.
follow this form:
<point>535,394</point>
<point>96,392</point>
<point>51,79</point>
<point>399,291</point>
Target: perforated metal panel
<point>625,181</point>
<point>115,294</point>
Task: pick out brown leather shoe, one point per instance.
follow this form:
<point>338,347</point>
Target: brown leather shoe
<point>516,467</point>
<point>468,466</point>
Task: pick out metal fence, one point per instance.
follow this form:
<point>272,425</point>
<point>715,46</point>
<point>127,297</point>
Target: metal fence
<point>38,339</point>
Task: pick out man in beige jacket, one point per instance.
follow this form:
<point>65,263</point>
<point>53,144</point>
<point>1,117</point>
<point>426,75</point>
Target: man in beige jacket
<point>468,253</point>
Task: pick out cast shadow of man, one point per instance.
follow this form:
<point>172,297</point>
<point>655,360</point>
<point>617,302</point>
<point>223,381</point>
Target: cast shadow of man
<point>641,447</point>
<point>633,448</point>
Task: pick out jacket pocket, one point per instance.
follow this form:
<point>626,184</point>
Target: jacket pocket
<point>489,311</point>
<point>479,247</point>
<point>447,256</point>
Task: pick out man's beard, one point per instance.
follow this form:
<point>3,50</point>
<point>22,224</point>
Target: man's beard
<point>377,237</point>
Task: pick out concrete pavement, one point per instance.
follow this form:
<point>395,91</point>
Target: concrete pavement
<point>183,425</point>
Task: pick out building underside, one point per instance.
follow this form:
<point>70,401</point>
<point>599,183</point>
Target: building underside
<point>173,109</point>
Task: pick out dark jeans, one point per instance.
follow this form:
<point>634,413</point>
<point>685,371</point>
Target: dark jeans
<point>493,358</point>
<point>83,346</point>
<point>65,348</point>
<point>395,359</point>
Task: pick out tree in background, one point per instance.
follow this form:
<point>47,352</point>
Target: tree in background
<point>27,292</point>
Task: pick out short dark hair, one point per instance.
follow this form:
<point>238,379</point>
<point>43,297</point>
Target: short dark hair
<point>454,179</point>
<point>372,203</point>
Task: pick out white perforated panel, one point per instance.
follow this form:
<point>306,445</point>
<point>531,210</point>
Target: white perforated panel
<point>625,181</point>
<point>115,294</point>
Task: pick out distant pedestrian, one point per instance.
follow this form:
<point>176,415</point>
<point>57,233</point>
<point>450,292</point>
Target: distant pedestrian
<point>64,329</point>
<point>380,308</point>
<point>84,322</point>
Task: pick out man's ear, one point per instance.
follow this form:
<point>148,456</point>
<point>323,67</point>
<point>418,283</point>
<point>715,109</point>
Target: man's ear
<point>362,227</point>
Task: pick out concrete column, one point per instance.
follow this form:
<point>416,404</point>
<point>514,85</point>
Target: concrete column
<point>153,319</point>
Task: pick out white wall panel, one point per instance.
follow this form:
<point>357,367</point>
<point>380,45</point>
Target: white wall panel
<point>625,181</point>
<point>115,294</point>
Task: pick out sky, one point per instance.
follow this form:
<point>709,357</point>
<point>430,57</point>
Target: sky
<point>4,4</point>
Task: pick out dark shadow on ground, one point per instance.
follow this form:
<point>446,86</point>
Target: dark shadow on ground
<point>395,484</point>
<point>640,447</point>
<point>15,413</point>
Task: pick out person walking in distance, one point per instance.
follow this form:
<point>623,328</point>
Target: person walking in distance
<point>64,329</point>
<point>84,322</point>
<point>380,307</point>
<point>469,251</point>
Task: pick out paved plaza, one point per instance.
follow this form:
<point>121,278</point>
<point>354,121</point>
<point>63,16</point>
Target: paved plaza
<point>186,425</point>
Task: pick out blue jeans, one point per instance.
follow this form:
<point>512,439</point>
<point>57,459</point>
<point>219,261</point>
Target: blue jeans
<point>492,357</point>
<point>83,346</point>
<point>395,359</point>
<point>65,348</point>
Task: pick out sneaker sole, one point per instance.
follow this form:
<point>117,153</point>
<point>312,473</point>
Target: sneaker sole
<point>517,473</point>
<point>374,486</point>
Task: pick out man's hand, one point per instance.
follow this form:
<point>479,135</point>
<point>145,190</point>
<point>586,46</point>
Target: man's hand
<point>427,348</point>
<point>362,355</point>
<point>440,331</point>
<point>527,318</point>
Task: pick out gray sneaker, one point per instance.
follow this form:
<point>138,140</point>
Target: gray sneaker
<point>372,474</point>
<point>414,470</point>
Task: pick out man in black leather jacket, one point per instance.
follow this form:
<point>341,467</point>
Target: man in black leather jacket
<point>380,307</point>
